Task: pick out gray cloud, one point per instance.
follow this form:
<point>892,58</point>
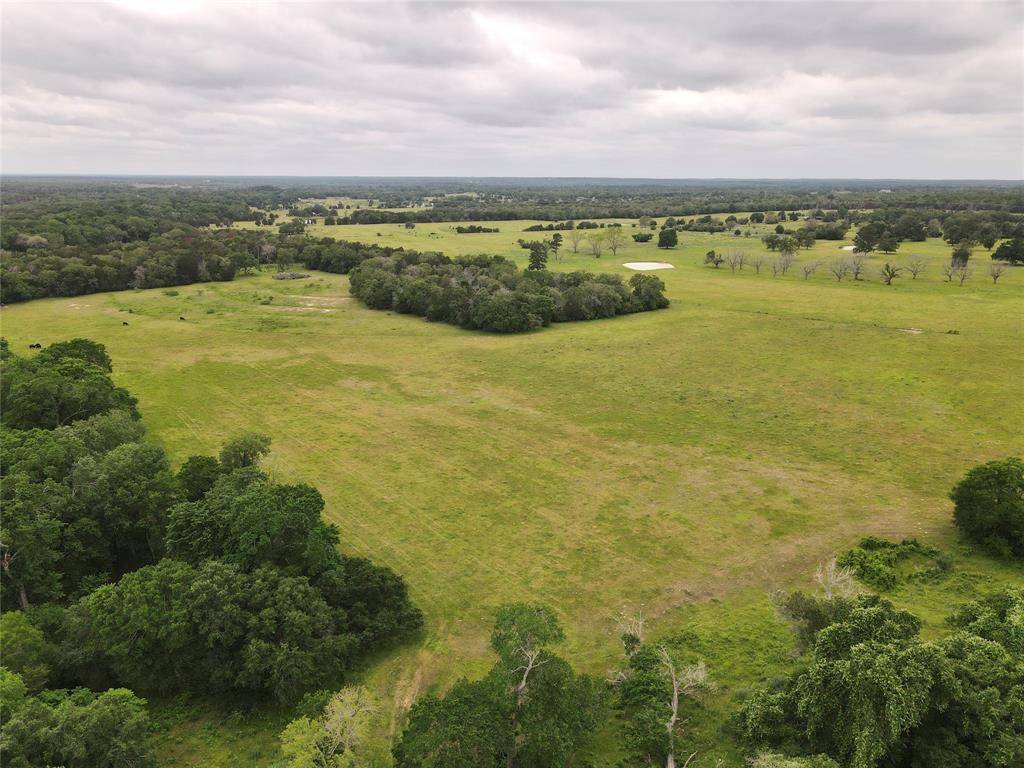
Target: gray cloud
<point>592,89</point>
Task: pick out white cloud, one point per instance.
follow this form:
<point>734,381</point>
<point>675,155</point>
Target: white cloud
<point>595,89</point>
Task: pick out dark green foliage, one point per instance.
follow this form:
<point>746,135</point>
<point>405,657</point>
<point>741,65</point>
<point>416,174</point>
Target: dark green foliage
<point>77,729</point>
<point>26,651</point>
<point>197,476</point>
<point>472,229</point>
<point>873,693</point>
<point>646,693</point>
<point>531,710</point>
<point>648,291</point>
<point>998,617</point>
<point>211,627</point>
<point>80,349</point>
<point>668,238</point>
<point>643,237</point>
<point>809,614</point>
<point>883,564</point>
<point>63,383</point>
<point>246,450</point>
<point>179,256</point>
<point>256,600</point>
<point>490,293</point>
<point>1011,251</point>
<point>989,506</point>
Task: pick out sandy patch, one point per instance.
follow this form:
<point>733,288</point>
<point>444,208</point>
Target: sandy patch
<point>913,331</point>
<point>846,248</point>
<point>647,266</point>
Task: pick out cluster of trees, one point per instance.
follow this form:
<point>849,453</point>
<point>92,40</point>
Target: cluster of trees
<point>176,257</point>
<point>491,293</point>
<point>473,229</point>
<point>530,711</point>
<point>117,571</point>
<point>872,692</point>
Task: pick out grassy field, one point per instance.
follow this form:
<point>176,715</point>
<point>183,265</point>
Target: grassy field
<point>687,462</point>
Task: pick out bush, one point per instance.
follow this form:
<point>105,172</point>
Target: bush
<point>876,561</point>
<point>989,506</point>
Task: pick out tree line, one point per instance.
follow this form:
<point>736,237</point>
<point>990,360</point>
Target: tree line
<point>122,576</point>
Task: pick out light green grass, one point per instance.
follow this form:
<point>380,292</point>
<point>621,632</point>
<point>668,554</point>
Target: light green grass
<point>687,461</point>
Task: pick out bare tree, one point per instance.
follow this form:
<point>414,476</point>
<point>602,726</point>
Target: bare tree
<point>758,262</point>
<point>890,272</point>
<point>575,237</point>
<point>949,270</point>
<point>809,268</point>
<point>736,260</point>
<point>962,273</point>
<point>915,267</point>
<point>686,681</point>
<point>834,579</point>
<point>996,270</point>
<point>858,263</point>
<point>785,261</point>
<point>839,268</point>
<point>595,240</point>
<point>631,626</point>
<point>614,237</point>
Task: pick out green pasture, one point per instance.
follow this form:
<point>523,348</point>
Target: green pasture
<point>686,462</point>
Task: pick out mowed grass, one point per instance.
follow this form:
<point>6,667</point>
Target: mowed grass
<point>686,462</point>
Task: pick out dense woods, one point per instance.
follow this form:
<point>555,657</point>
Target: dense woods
<point>125,574</point>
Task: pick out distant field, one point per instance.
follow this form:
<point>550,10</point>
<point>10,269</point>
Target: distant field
<point>687,461</point>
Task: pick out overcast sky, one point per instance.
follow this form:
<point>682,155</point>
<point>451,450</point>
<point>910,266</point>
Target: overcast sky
<point>909,90</point>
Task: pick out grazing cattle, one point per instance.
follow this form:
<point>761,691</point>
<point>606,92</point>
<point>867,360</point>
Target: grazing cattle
<point>180,317</point>
<point>35,346</point>
<point>124,322</point>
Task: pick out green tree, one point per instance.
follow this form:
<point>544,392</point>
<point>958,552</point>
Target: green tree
<point>530,711</point>
<point>988,505</point>
<point>78,728</point>
<point>26,651</point>
<point>197,476</point>
<point>245,450</point>
<point>79,349</point>
<point>48,394</point>
<point>1011,251</point>
<point>30,538</point>
<point>339,737</point>
<point>668,238</point>
<point>538,256</point>
<point>873,693</point>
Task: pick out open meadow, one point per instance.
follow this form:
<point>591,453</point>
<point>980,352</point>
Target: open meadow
<point>686,462</point>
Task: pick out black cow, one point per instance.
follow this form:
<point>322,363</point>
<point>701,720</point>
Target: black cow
<point>180,317</point>
<point>124,322</point>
